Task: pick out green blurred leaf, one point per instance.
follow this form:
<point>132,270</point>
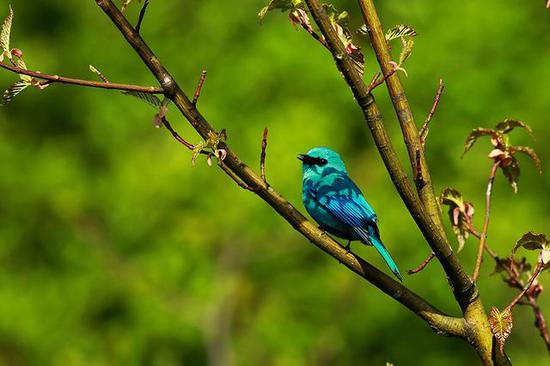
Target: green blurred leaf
<point>501,325</point>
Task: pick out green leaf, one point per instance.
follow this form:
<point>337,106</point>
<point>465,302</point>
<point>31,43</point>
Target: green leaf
<point>451,196</point>
<point>5,35</point>
<point>148,98</point>
<point>13,91</point>
<point>399,31</point>
<point>530,153</point>
<point>283,5</point>
<point>501,325</point>
<point>405,33</point>
<point>511,172</point>
<point>532,241</point>
<point>474,135</point>
<point>408,44</point>
<point>509,124</point>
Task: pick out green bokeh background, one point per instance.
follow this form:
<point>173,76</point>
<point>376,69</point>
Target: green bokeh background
<point>114,250</point>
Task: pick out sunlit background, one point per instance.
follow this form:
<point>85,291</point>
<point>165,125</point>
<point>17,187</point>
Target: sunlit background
<point>115,250</point>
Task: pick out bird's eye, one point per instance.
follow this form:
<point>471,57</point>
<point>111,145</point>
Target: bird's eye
<point>323,161</point>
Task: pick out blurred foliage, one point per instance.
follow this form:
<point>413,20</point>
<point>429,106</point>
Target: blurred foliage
<point>114,250</point>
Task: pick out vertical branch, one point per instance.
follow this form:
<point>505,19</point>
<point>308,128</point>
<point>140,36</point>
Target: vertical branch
<point>199,88</point>
<point>403,110</point>
<point>483,238</point>
<point>262,156</point>
<point>463,288</point>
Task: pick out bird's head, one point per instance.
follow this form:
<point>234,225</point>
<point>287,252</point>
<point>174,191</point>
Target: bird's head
<point>321,161</point>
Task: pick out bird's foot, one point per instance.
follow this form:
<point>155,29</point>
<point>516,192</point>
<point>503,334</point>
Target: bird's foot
<point>348,247</point>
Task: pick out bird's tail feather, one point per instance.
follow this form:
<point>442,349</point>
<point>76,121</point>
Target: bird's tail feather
<point>386,255</point>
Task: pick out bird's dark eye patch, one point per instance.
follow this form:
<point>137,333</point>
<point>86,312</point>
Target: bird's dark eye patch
<point>312,160</point>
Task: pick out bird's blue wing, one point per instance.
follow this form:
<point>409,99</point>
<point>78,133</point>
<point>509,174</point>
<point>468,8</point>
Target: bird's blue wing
<point>352,209</point>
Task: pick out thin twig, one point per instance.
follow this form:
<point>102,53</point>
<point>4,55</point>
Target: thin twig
<point>199,88</point>
<point>142,15</point>
<point>483,238</point>
<point>425,127</point>
<point>86,83</point>
<point>262,155</point>
<point>526,288</point>
<point>422,265</point>
<point>176,135</point>
<point>99,73</point>
<point>235,178</point>
<point>375,82</point>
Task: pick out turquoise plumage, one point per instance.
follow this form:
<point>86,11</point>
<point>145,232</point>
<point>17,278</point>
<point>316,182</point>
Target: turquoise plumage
<point>334,201</point>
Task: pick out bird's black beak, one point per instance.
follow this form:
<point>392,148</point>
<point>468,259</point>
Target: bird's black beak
<point>302,157</point>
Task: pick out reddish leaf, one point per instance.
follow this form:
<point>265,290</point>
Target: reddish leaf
<point>501,325</point>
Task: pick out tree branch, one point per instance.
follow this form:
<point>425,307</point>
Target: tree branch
<point>425,127</point>
<point>403,110</point>
<point>436,319</point>
<point>527,287</point>
<point>483,237</point>
<point>88,83</point>
<point>463,288</point>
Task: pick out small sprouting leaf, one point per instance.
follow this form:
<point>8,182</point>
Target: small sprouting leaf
<point>283,5</point>
<point>509,124</point>
<point>474,135</point>
<point>460,214</point>
<point>148,98</point>
<point>406,34</point>
<point>340,22</point>
<point>511,171</point>
<point>399,31</point>
<point>13,91</point>
<point>531,241</point>
<point>408,44</point>
<point>501,325</point>
<point>5,35</point>
<point>530,153</point>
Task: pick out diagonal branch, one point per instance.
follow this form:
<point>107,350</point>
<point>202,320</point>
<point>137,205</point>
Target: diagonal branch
<point>436,319</point>
<point>88,83</point>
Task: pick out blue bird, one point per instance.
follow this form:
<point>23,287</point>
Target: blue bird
<point>335,202</point>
